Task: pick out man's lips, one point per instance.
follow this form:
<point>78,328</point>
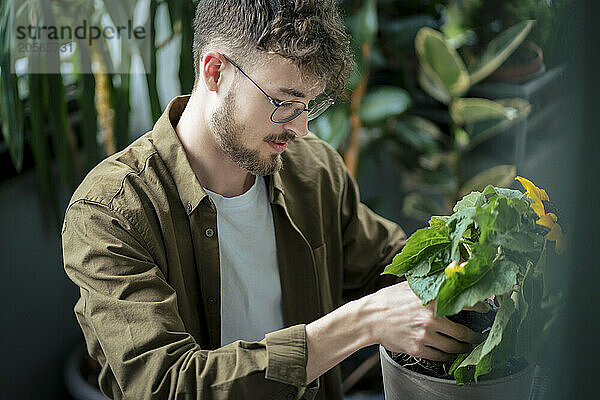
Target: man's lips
<point>277,146</point>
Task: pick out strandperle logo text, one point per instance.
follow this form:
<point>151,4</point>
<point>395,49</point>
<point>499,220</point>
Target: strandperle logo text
<point>84,31</point>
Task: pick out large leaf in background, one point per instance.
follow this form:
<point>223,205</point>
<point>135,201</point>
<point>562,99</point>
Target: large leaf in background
<point>441,63</point>
<point>186,56</point>
<point>418,247</point>
<point>89,117</point>
<point>482,131</point>
<point>11,111</point>
<point>40,147</point>
<point>432,88</point>
<point>364,24</point>
<point>472,110</point>
<point>333,126</point>
<point>56,108</point>
<point>499,49</point>
<point>419,133</point>
<point>500,175</point>
<point>382,103</point>
<point>420,207</point>
<point>480,279</point>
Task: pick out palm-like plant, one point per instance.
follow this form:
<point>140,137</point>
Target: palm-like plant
<point>36,108</point>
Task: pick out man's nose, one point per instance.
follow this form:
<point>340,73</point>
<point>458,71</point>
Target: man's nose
<point>299,125</point>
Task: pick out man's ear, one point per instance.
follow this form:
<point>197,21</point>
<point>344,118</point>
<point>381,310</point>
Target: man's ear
<point>212,65</point>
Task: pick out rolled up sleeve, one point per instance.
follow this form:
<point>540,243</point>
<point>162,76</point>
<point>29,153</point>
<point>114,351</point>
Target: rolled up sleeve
<point>129,316</point>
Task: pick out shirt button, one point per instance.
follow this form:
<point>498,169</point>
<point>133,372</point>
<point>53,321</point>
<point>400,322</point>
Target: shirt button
<point>212,301</point>
<point>290,396</point>
<point>209,232</point>
<point>188,206</point>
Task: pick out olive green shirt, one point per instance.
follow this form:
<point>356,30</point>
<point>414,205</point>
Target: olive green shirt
<point>140,240</point>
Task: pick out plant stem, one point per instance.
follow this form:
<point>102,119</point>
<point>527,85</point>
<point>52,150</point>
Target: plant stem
<point>351,153</point>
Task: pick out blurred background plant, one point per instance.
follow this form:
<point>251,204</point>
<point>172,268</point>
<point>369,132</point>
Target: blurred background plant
<point>413,129</point>
<point>401,103</point>
<point>75,117</point>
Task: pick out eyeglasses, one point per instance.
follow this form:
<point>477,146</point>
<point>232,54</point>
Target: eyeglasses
<point>286,111</point>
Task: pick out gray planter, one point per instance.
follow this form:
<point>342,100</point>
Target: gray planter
<point>76,384</point>
<point>402,384</point>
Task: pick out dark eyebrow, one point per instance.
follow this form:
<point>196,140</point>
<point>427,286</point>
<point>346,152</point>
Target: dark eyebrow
<point>292,92</point>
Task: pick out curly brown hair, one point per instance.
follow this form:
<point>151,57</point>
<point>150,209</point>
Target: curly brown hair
<point>310,33</point>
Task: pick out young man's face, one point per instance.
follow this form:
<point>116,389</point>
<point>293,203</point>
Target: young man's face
<point>242,125</point>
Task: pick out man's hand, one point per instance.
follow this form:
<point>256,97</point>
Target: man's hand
<point>393,317</point>
<point>402,324</point>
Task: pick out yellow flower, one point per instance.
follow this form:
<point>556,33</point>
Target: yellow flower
<point>453,268</point>
<point>549,220</point>
<point>536,194</point>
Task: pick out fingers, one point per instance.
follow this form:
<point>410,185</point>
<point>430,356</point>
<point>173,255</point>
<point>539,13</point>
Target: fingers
<point>458,331</point>
<point>433,354</point>
<point>448,344</point>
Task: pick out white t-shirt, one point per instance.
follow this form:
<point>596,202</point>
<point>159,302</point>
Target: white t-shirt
<point>250,285</point>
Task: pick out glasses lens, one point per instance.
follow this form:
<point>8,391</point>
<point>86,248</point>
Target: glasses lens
<point>287,111</point>
<point>319,109</point>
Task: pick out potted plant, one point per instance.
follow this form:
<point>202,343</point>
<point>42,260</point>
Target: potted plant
<point>493,246</point>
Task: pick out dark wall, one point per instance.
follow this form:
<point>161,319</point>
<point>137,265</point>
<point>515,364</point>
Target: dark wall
<point>38,324</point>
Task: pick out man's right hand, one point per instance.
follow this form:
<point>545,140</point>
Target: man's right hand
<point>393,317</point>
<point>401,323</point>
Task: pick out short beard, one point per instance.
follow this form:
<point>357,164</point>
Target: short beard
<point>228,134</point>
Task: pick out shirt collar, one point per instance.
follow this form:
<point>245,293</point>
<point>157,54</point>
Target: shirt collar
<point>170,149</point>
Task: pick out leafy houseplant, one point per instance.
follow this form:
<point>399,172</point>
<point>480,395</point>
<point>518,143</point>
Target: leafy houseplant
<point>493,245</point>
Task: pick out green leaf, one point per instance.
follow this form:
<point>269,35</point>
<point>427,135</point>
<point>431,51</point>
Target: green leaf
<point>474,199</point>
<point>500,175</point>
<point>480,280</point>
<point>482,131</point>
<point>40,146</point>
<point>509,193</point>
<point>441,63</point>
<point>522,242</point>
<point>487,354</point>
<point>438,221</point>
<point>418,133</point>
<point>417,247</point>
<point>426,287</point>
<point>499,49</point>
<point>503,315</point>
<point>86,100</point>
<point>496,216</point>
<point>459,223</point>
<point>472,110</point>
<point>464,372</point>
<point>434,89</point>
<point>457,362</point>
<point>382,103</point>
<point>333,126</point>
<point>419,206</point>
<point>365,23</point>
<point>11,108</point>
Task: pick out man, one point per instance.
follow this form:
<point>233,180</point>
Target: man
<point>215,252</point>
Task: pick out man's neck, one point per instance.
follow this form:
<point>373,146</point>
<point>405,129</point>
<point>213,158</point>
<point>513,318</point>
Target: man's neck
<point>213,168</point>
